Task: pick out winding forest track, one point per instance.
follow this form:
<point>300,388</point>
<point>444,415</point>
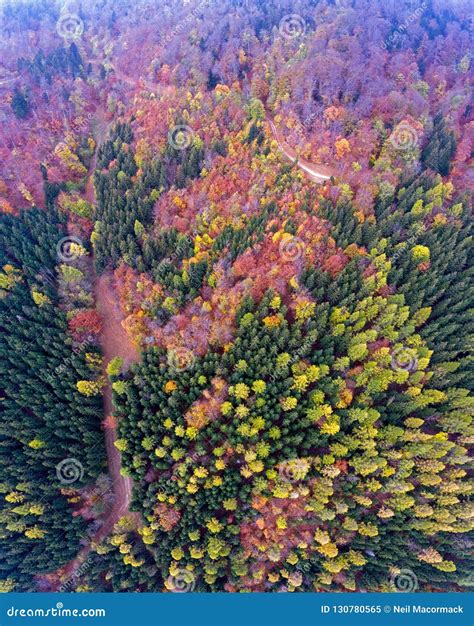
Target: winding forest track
<point>316,172</point>
<point>114,342</point>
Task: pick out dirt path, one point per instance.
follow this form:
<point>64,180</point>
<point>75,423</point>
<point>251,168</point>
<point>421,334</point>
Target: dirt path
<point>114,342</point>
<point>318,173</point>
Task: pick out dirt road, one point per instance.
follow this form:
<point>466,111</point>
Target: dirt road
<point>318,173</point>
<point>114,342</point>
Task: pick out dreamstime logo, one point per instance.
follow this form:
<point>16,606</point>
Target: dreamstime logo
<point>59,148</point>
<point>418,230</point>
<point>404,137</point>
<point>286,472</point>
<point>183,581</point>
<point>180,137</point>
<point>404,358</point>
<point>404,581</point>
<point>65,248</point>
<point>180,359</point>
<point>70,27</point>
<point>69,471</point>
<point>292,26</point>
<point>403,27</point>
<point>184,23</point>
<point>291,249</point>
<point>294,470</point>
<point>84,121</point>
<point>71,583</point>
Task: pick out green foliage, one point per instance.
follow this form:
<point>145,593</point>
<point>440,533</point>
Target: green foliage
<point>114,367</point>
<point>44,420</point>
<point>440,148</point>
<point>125,210</point>
<point>288,416</point>
<point>20,104</point>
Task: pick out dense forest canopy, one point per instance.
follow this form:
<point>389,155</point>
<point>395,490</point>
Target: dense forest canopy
<point>236,295</point>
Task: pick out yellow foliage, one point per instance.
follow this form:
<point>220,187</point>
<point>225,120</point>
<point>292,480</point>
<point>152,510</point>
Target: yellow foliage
<point>272,321</point>
<point>170,386</point>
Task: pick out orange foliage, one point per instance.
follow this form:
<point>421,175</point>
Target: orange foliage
<point>342,147</point>
<point>168,516</point>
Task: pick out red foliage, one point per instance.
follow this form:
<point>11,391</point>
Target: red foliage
<point>168,516</point>
<point>335,263</point>
<point>85,322</point>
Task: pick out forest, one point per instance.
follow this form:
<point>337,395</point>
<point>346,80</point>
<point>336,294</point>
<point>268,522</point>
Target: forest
<point>236,296</point>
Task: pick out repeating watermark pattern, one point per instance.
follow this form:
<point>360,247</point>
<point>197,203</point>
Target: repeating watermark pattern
<point>71,583</point>
<point>69,471</point>
<point>69,25</point>
<point>293,470</point>
<point>185,23</point>
<point>180,359</point>
<point>183,581</point>
<point>404,358</point>
<point>180,137</point>
<point>82,344</point>
<point>308,120</point>
<point>292,249</point>
<point>66,249</point>
<point>396,34</point>
<point>404,580</point>
<point>84,122</point>
<point>60,147</point>
<point>292,26</point>
<point>404,136</point>
<point>300,353</point>
<point>418,230</point>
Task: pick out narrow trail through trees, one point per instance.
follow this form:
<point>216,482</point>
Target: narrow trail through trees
<point>318,173</point>
<point>114,342</point>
